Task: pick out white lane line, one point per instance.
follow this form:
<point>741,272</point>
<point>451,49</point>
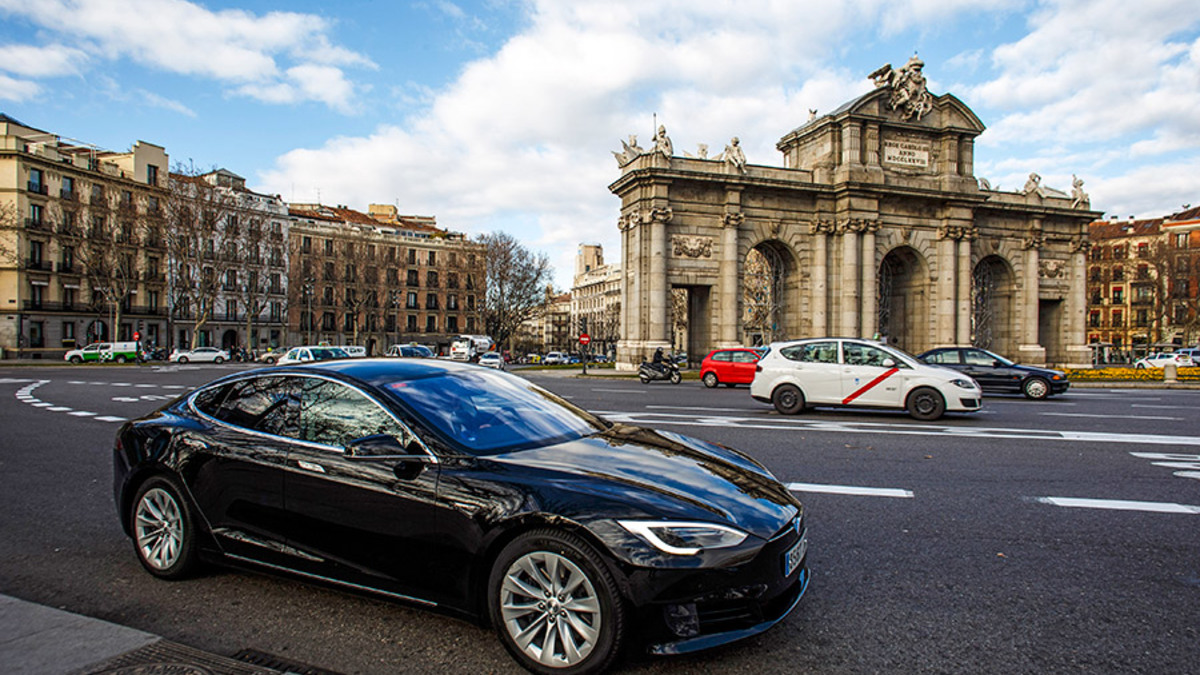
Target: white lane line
<point>622,391</point>
<point>1120,505</point>
<point>82,413</point>
<point>1122,417</point>
<point>686,407</point>
<point>850,490</point>
<point>59,408</point>
<point>109,418</point>
<point>1164,407</point>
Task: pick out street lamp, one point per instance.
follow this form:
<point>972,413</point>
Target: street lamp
<point>394,296</point>
<point>308,289</point>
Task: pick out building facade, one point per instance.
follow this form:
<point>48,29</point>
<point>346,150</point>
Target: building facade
<point>380,278</point>
<point>82,243</point>
<point>1142,285</point>
<point>596,299</point>
<point>875,226</point>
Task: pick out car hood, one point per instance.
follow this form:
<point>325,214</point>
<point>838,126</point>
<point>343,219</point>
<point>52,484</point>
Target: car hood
<point>632,472</point>
<point>1035,370</point>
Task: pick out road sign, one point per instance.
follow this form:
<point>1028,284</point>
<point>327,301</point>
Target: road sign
<point>585,339</point>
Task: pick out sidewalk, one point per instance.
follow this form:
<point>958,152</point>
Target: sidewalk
<point>39,640</point>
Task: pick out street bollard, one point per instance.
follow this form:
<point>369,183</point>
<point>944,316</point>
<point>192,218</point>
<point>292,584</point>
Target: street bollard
<point>1169,373</point>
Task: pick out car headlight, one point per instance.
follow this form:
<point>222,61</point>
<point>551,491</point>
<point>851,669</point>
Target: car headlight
<point>684,538</point>
<point>964,384</point>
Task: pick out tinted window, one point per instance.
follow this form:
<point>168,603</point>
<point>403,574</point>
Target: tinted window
<point>487,412</point>
<point>263,404</point>
<point>944,356</point>
<point>812,352</point>
<point>334,414</point>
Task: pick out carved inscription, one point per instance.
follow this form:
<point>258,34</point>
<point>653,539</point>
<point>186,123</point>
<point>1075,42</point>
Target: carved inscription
<point>905,153</point>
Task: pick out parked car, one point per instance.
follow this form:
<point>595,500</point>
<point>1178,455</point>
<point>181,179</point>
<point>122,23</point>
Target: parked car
<point>271,356</point>
<point>410,351</point>
<point>1161,359</point>
<point>492,360</point>
<point>311,353</point>
<point>729,367</point>
<point>1192,353</point>
<point>995,373</point>
<point>199,355</point>
<point>554,359</point>
<point>354,351</point>
<point>576,537</point>
<point>121,352</point>
<point>88,354</point>
<point>859,373</point>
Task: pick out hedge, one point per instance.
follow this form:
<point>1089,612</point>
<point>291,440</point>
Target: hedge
<point>1191,374</point>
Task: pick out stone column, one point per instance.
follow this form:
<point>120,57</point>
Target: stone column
<point>851,144</point>
<point>870,281</point>
<point>1075,338</point>
<point>849,296</point>
<point>965,278</point>
<point>820,277</point>
<point>659,299</point>
<point>729,278</point>
<point>945,321</point>
<point>1029,351</point>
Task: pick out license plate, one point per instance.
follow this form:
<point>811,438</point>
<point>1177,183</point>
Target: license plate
<point>791,559</point>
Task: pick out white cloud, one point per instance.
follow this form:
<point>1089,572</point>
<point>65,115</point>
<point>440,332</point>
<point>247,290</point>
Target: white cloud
<point>157,101</point>
<point>12,89</point>
<point>48,61</point>
<point>253,53</point>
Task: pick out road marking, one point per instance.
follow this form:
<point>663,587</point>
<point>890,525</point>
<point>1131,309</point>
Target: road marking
<point>687,407</point>
<point>1120,505</point>
<point>1164,407</point>
<point>1122,417</point>
<point>850,490</point>
<point>82,413</point>
<point>770,421</point>
<point>109,418</point>
<point>623,391</point>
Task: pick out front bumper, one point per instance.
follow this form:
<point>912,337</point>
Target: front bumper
<point>689,611</point>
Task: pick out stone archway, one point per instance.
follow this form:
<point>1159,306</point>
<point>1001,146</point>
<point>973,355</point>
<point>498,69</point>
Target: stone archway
<point>229,339</point>
<point>768,283</point>
<point>904,300</point>
<point>993,292</point>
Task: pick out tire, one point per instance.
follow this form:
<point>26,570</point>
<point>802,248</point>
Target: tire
<point>1036,388</point>
<point>183,359</point>
<point>676,378</point>
<point>925,403</point>
<point>1140,366</point>
<point>710,379</point>
<point>644,378</point>
<point>788,399</point>
<point>594,612</point>
<point>218,360</point>
<point>271,360</point>
<point>75,360</point>
<point>121,359</point>
<point>163,529</point>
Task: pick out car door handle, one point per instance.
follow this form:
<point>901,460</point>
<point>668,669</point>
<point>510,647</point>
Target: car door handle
<point>310,466</point>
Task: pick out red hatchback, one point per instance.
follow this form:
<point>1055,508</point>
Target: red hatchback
<point>730,366</point>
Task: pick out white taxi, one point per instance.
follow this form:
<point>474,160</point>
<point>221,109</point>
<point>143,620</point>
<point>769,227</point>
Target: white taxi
<point>859,373</point>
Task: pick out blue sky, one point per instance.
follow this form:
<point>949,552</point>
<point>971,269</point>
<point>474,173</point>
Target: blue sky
<point>500,114</point>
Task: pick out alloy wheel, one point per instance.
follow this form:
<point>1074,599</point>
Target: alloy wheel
<point>550,609</point>
<point>158,527</point>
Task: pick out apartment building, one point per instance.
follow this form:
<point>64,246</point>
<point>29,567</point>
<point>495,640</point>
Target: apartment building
<point>227,265</point>
<point>596,299</point>
<point>380,278</point>
<point>1142,285</point>
<point>82,245</point>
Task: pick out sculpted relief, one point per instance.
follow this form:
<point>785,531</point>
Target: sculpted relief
<point>688,246</point>
<point>909,95</point>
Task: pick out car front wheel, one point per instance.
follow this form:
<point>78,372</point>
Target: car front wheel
<point>1036,388</point>
<point>788,399</point>
<point>183,359</point>
<point>710,379</point>
<point>76,360</point>
<point>162,527</point>
<point>926,404</point>
<point>555,605</point>
<point>218,360</point>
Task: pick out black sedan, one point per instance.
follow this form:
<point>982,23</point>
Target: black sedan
<point>470,491</point>
<point>996,374</point>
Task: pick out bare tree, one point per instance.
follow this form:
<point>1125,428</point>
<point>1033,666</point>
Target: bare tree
<point>360,282</point>
<point>516,282</point>
<point>9,234</point>
<point>107,252</point>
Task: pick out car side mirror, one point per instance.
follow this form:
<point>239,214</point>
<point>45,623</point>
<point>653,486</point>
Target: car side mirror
<point>888,363</point>
<point>996,364</point>
<point>381,446</point>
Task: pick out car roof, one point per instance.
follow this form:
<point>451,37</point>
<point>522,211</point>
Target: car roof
<point>380,371</point>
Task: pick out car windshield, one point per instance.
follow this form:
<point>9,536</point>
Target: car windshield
<point>487,412</point>
<point>1003,361</point>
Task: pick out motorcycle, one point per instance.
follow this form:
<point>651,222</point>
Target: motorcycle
<point>667,370</point>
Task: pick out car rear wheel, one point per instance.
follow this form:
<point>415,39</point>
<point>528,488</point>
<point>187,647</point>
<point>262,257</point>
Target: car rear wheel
<point>926,404</point>
<point>1140,366</point>
<point>76,360</point>
<point>162,527</point>
<point>555,605</point>
<point>1036,388</point>
<point>183,359</point>
<point>218,360</point>
<point>788,399</point>
<point>121,359</point>
<point>710,379</point>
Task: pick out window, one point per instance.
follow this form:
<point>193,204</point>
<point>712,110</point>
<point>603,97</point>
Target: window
<point>328,247</point>
<point>1143,250</point>
<point>151,174</point>
<point>1094,319</point>
<point>152,300</point>
<point>349,321</point>
<point>393,276</point>
<point>452,324</point>
<point>812,352</point>
<point>265,404</point>
<point>1118,274</point>
<point>36,215</point>
<point>411,323</point>
<point>412,256</point>
<point>414,278</point>
<point>411,300</point>
<point>863,355</point>
<point>68,189</point>
<point>431,324</point>
<point>723,356</point>
<point>37,181</point>
<point>1118,295</point>
<point>329,274</point>
<point>306,245</point>
<point>431,279</point>
<point>431,301</point>
<point>1181,240</point>
<point>334,414</point>
<point>231,310</point>
<point>433,257</point>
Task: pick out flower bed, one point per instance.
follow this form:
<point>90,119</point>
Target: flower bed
<point>1126,373</point>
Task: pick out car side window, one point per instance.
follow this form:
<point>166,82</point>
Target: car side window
<point>944,356</point>
<point>974,357</point>
<point>334,414</point>
<point>812,352</point>
<point>745,357</point>
<point>721,356</point>
<point>265,404</point>
<point>863,355</point>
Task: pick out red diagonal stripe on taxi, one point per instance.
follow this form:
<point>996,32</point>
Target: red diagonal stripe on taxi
<point>870,385</point>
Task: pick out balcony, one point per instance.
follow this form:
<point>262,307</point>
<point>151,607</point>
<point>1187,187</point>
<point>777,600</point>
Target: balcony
<point>68,268</point>
<point>35,224</point>
<point>39,265</point>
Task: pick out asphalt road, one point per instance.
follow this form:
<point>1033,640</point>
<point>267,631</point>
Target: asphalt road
<point>1048,537</point>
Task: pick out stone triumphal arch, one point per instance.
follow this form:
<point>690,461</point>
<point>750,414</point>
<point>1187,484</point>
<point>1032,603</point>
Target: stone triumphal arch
<point>875,225</point>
